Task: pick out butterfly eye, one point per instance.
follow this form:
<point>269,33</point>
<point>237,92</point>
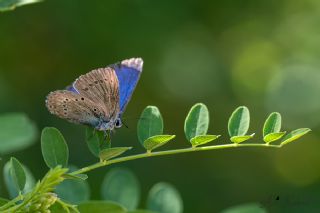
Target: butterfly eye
<point>118,123</point>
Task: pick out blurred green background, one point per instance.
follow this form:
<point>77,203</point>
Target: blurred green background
<point>224,53</point>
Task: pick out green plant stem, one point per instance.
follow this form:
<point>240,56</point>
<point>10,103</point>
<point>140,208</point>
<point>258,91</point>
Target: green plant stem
<point>11,202</point>
<point>167,152</point>
<point>67,206</point>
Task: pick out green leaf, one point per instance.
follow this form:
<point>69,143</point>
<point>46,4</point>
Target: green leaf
<point>17,132</point>
<point>164,198</point>
<point>197,121</point>
<point>272,124</point>
<point>150,123</point>
<point>6,5</point>
<point>294,135</point>
<point>94,140</point>
<point>121,186</point>
<point>157,141</point>
<point>245,208</point>
<point>273,136</point>
<point>239,139</point>
<point>239,121</point>
<point>203,139</point>
<point>73,190</point>
<point>17,174</point>
<point>11,187</point>
<point>141,211</point>
<point>4,201</point>
<point>109,153</point>
<point>57,208</point>
<point>54,148</point>
<point>76,177</point>
<point>101,207</point>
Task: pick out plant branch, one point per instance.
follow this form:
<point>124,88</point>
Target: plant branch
<point>11,202</point>
<point>167,152</point>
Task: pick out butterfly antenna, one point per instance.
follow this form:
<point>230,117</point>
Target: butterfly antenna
<point>124,124</point>
<point>131,118</point>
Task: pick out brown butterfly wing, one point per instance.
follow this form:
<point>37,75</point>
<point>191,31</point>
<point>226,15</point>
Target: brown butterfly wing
<point>74,107</point>
<point>102,88</point>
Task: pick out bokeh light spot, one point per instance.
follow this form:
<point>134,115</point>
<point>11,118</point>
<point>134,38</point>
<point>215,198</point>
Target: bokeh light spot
<point>253,67</point>
<point>189,69</point>
<point>294,92</point>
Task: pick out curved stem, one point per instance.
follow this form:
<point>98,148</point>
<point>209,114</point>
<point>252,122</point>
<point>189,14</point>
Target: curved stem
<point>11,202</point>
<point>167,152</point>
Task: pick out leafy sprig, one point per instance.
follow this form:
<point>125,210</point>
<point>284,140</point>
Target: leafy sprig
<point>41,198</point>
<point>151,136</point>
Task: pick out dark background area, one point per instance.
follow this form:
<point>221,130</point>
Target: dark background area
<point>226,53</point>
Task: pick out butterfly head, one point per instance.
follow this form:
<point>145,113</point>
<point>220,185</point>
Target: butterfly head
<point>109,125</point>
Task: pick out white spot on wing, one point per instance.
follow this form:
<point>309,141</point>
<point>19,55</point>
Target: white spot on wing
<point>135,63</point>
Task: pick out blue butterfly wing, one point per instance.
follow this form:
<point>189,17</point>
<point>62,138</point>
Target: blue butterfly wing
<point>72,88</point>
<point>128,73</point>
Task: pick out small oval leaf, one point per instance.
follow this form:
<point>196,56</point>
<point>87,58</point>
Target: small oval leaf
<point>271,137</point>
<point>17,132</point>
<point>121,186</point>
<point>54,148</point>
<point>246,208</point>
<point>101,207</point>
<point>109,153</point>
<point>11,187</point>
<point>239,122</point>
<point>294,135</point>
<point>150,123</point>
<point>203,139</point>
<point>163,198</point>
<point>94,139</point>
<point>272,124</point>
<point>157,141</point>
<point>73,190</point>
<point>197,121</point>
<point>240,139</point>
<point>17,174</point>
<point>6,5</point>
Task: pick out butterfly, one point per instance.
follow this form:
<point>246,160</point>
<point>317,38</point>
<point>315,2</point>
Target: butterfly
<point>98,98</point>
